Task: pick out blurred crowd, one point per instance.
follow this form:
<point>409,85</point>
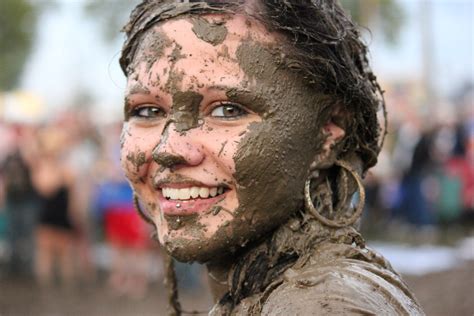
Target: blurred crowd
<point>62,193</point>
<point>424,180</point>
<point>67,214</point>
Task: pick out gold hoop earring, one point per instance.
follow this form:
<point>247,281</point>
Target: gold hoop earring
<point>329,222</point>
<point>136,205</point>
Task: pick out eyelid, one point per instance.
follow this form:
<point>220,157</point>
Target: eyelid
<point>134,111</point>
<point>242,109</point>
<point>217,104</point>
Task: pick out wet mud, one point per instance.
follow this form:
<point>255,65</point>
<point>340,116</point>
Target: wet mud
<point>212,33</point>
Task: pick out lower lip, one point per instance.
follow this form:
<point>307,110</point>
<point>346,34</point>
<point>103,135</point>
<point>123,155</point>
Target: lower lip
<point>187,207</point>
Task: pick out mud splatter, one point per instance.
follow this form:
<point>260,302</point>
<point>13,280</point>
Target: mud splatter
<point>137,159</point>
<point>176,54</point>
<point>156,43</point>
<point>224,53</point>
<point>222,148</point>
<point>124,134</point>
<point>138,88</point>
<point>186,110</point>
<point>213,33</point>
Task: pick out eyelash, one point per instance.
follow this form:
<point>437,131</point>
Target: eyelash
<point>155,111</point>
<point>241,109</point>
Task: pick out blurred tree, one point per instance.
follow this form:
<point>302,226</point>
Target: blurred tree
<point>387,15</point>
<point>111,14</point>
<point>17,27</point>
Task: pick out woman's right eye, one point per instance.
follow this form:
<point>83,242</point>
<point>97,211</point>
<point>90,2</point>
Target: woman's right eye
<point>148,112</point>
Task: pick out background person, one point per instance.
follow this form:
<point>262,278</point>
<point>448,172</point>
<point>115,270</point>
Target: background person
<point>20,198</point>
<point>56,229</point>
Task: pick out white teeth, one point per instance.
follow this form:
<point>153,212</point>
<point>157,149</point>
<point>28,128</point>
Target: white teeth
<point>213,192</point>
<point>194,192</point>
<point>173,194</point>
<point>204,193</point>
<point>191,193</point>
<point>183,194</point>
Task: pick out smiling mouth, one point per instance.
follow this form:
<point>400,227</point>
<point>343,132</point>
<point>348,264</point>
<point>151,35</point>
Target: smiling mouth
<point>194,192</point>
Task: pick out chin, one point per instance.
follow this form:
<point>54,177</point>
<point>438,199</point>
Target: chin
<point>224,243</point>
<point>185,250</point>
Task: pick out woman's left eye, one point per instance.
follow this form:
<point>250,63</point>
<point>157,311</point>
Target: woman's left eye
<point>228,111</point>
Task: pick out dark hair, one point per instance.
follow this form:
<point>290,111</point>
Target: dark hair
<point>329,52</point>
<point>325,46</point>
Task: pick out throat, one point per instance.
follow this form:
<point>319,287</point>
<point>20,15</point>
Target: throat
<point>218,275</point>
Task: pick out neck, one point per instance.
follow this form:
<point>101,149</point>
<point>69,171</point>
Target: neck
<point>217,274</point>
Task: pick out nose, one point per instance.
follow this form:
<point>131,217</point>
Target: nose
<point>177,149</point>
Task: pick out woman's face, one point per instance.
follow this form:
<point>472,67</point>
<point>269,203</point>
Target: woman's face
<point>218,136</point>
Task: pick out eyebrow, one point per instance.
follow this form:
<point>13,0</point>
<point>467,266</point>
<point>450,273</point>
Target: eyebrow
<point>225,88</point>
<point>247,97</point>
<point>138,88</point>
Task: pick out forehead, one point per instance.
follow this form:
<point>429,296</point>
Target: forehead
<point>198,43</point>
<point>237,24</point>
<point>213,29</point>
<point>192,51</point>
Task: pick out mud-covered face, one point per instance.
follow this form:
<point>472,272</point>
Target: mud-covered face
<point>219,134</point>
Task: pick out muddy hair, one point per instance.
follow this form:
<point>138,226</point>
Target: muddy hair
<point>325,47</point>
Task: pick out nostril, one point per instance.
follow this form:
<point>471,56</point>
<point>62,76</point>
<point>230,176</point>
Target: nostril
<point>168,160</point>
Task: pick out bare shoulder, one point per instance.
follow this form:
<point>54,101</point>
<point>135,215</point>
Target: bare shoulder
<point>343,287</point>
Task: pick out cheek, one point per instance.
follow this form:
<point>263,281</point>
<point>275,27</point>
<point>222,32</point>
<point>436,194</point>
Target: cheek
<point>226,154</point>
<point>271,166</point>
<point>222,144</point>
<point>136,154</point>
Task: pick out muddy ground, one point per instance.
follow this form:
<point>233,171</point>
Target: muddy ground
<point>442,293</point>
<point>446,293</point>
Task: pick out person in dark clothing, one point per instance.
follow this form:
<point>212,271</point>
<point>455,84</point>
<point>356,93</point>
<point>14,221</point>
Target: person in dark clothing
<point>55,234</point>
<point>415,207</point>
<point>52,209</point>
<point>21,213</point>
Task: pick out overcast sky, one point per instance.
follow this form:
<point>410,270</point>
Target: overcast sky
<point>71,55</point>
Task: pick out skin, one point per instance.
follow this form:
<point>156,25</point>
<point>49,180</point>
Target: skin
<point>223,113</point>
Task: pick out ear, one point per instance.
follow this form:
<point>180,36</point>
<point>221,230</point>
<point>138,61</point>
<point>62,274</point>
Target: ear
<point>334,132</point>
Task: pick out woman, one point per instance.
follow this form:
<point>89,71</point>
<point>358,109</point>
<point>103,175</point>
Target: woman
<point>56,231</point>
<point>247,127</point>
